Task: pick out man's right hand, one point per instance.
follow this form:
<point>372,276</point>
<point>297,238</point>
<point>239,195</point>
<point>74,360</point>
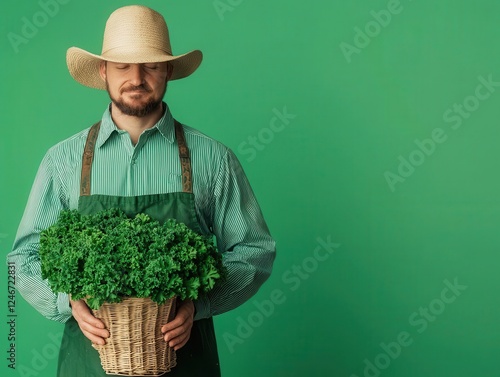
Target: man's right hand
<point>91,327</point>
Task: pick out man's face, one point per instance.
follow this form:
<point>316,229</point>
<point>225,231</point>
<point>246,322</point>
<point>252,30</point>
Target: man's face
<point>136,89</point>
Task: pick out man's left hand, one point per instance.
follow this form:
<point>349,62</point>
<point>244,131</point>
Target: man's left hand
<point>178,331</point>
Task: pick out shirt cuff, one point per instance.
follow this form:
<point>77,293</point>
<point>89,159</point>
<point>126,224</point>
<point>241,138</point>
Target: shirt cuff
<point>63,305</point>
<point>202,308</point>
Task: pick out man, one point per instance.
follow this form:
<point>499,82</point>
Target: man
<point>134,164</point>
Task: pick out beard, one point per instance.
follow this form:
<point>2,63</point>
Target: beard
<point>140,110</point>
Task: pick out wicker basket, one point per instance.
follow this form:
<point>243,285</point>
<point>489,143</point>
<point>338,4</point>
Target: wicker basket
<point>136,346</point>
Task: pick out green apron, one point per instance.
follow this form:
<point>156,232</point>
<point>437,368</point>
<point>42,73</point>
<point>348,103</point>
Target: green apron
<point>199,357</point>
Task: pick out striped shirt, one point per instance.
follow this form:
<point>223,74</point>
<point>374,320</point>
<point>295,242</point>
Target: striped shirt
<point>224,201</point>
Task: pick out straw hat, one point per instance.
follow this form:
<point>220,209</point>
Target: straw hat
<point>133,34</point>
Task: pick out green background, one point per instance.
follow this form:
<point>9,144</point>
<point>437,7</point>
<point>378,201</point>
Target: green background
<point>321,176</point>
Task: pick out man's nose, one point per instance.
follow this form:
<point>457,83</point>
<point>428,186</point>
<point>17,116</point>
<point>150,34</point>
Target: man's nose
<point>136,74</point>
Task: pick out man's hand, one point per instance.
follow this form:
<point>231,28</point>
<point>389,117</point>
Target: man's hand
<point>178,331</point>
<point>91,327</point>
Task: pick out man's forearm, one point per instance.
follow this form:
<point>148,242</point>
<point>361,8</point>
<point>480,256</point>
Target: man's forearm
<point>35,290</point>
<point>248,268</point>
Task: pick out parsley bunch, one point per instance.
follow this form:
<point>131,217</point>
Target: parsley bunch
<point>108,256</point>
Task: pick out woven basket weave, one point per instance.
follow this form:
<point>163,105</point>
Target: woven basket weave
<point>136,346</point>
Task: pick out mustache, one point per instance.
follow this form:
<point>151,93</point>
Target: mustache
<point>132,88</point>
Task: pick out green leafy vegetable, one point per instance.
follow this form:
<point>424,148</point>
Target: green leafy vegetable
<point>108,256</point>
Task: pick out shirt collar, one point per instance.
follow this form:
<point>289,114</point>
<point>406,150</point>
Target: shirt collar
<point>165,126</point>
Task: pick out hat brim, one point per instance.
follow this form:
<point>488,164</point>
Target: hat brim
<point>84,66</point>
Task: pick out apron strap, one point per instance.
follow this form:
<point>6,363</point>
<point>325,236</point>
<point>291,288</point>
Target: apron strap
<point>187,181</point>
<point>88,157</point>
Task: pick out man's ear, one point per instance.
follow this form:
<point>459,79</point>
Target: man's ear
<point>170,70</point>
<point>102,70</point>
